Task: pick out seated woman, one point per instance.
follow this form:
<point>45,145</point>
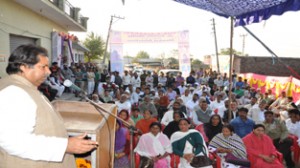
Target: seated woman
<point>154,145</point>
<point>228,142</point>
<point>213,127</point>
<point>124,114</point>
<point>188,143</point>
<point>173,125</point>
<point>260,149</point>
<point>121,159</point>
<point>143,124</point>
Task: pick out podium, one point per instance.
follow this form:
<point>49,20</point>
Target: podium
<point>80,117</point>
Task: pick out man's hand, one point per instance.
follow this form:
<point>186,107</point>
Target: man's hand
<point>79,145</point>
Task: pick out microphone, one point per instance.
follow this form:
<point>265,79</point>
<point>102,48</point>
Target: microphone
<point>71,85</point>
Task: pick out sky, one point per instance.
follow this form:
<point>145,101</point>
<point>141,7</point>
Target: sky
<point>279,33</point>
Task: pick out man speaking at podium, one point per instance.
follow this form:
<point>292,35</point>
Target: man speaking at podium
<point>32,133</point>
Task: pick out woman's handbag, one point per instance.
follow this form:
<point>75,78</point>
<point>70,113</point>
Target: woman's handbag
<point>230,158</point>
<point>202,160</point>
<point>146,162</point>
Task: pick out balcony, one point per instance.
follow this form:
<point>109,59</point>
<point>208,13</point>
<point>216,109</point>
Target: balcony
<point>59,11</point>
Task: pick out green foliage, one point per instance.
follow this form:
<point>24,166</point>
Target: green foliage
<point>196,64</point>
<point>96,46</point>
<point>142,55</point>
<point>226,51</point>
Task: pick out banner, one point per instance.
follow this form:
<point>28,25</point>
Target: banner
<point>277,84</point>
<point>118,38</point>
<point>116,58</point>
<point>56,48</point>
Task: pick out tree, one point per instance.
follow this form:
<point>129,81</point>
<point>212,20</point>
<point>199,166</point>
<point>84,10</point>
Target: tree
<point>226,51</point>
<point>142,55</point>
<point>196,64</point>
<point>172,63</point>
<point>95,44</point>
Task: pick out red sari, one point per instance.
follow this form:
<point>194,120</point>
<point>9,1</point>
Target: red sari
<point>256,146</point>
<point>144,124</point>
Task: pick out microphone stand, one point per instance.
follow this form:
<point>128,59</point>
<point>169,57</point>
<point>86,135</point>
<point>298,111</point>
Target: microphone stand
<point>130,127</point>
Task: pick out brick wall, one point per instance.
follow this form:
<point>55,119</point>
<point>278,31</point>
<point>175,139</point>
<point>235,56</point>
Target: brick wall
<point>264,65</point>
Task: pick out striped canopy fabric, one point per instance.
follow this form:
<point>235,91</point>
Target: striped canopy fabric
<point>245,11</point>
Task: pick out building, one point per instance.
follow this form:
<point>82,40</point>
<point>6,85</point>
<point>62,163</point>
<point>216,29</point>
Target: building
<point>35,22</point>
<point>266,65</point>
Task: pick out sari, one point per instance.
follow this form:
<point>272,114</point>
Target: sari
<point>152,146</point>
<point>188,142</point>
<point>256,146</point>
<point>120,142</point>
<point>144,124</point>
<point>233,142</point>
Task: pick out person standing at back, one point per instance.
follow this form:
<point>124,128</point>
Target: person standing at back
<point>32,133</point>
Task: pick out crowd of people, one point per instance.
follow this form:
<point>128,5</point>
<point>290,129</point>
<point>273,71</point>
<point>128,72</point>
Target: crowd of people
<point>164,109</point>
<point>178,121</point>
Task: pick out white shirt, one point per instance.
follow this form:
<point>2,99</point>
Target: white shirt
<point>292,127</point>
<point>219,107</point>
<point>185,99</point>
<point>168,117</point>
<point>134,98</point>
<point>17,123</point>
<point>256,114</point>
<point>124,106</point>
<point>190,107</point>
<point>136,82</point>
<point>126,79</point>
<point>112,78</point>
<point>181,89</point>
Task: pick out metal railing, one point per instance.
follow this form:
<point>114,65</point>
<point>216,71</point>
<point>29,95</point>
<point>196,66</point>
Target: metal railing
<point>69,9</point>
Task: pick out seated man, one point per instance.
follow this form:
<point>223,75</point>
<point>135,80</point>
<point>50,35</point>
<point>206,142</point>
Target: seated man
<point>280,102</point>
<point>242,124</point>
<point>234,112</point>
<point>202,113</point>
<point>285,108</point>
<point>168,116</point>
<point>292,123</point>
<point>257,113</point>
<point>278,132</point>
<point>148,105</point>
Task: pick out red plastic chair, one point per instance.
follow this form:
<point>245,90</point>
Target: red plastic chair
<point>137,160</point>
<point>175,160</point>
<point>200,128</point>
<point>295,148</point>
<point>278,154</point>
<point>217,159</point>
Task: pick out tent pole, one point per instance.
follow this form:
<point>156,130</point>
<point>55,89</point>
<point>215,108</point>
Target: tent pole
<point>230,69</point>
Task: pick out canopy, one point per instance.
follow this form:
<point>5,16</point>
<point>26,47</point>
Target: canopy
<point>245,11</point>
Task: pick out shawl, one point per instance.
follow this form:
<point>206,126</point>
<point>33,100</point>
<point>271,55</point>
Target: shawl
<point>232,142</point>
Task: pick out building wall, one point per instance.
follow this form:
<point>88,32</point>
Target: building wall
<point>264,65</point>
<point>18,20</point>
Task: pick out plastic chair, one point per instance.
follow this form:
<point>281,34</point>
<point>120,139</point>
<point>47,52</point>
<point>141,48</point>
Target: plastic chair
<point>200,128</point>
<point>295,148</point>
<point>278,154</point>
<point>175,160</point>
<point>137,160</point>
<point>216,158</point>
